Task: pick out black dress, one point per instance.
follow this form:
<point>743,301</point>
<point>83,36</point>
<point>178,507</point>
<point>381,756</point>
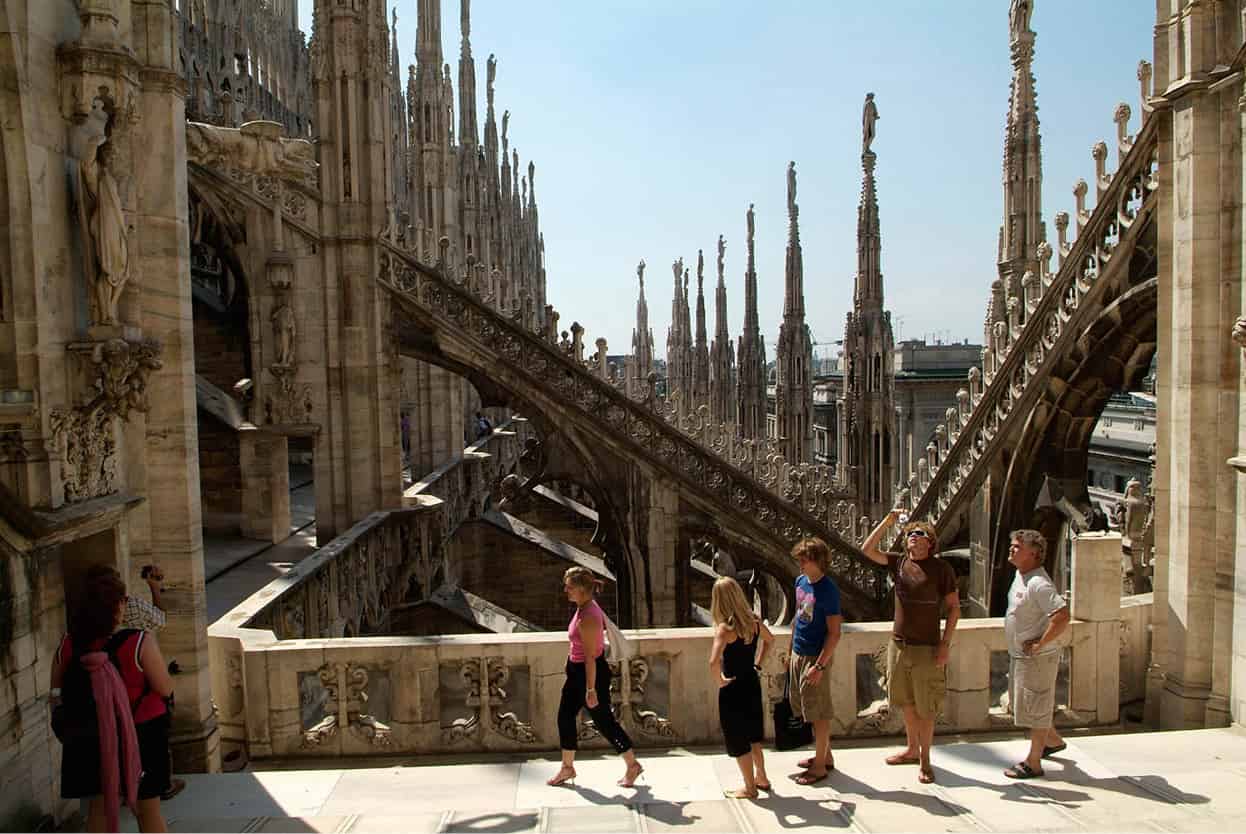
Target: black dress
<point>739,702</point>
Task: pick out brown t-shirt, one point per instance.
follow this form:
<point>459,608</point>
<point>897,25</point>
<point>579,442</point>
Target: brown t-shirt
<point>921,586</point>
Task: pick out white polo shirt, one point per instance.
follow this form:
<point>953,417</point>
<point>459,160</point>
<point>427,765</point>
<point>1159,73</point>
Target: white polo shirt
<point>1032,600</point>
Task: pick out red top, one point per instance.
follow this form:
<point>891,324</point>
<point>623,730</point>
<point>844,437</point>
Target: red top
<point>145,701</point>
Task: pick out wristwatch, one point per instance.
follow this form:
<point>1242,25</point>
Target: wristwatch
<point>757,667</point>
<point>819,666</point>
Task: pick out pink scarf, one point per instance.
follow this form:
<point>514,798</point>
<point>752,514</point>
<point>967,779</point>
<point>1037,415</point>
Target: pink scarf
<point>112,703</point>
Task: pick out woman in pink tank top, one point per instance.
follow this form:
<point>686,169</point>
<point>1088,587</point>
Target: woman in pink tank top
<point>588,681</point>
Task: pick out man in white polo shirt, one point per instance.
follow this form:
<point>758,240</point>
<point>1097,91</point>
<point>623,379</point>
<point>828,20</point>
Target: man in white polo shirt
<point>1037,616</point>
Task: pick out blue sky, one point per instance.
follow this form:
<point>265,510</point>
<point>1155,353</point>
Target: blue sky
<point>654,123</point>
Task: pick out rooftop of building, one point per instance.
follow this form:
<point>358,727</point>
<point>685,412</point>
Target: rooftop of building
<point>1159,781</point>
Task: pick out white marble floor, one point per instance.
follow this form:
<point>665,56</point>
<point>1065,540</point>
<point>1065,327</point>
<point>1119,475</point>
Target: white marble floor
<point>1174,781</point>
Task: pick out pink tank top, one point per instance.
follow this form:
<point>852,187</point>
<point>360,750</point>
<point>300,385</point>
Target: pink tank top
<point>592,611</point>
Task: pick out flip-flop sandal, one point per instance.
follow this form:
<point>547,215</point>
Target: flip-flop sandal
<point>1022,770</point>
<point>765,787</point>
<point>808,778</point>
<point>1048,752</point>
<point>898,759</point>
<point>926,777</point>
<point>805,764</point>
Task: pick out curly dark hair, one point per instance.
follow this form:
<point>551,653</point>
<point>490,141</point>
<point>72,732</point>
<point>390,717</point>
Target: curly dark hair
<point>95,616</point>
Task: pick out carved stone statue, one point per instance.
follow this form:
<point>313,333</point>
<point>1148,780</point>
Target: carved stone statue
<point>284,331</point>
<point>700,266</point>
<point>1239,333</point>
<point>791,188</point>
<point>108,249</point>
<point>722,251</point>
<point>751,227</point>
<point>678,268</point>
<point>1019,17</point>
<point>868,117</point>
<point>256,147</point>
<point>640,273</point>
<point>1136,509</point>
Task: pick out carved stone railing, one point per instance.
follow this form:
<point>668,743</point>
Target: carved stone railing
<point>1041,326</point>
<point>477,693</point>
<point>465,307</point>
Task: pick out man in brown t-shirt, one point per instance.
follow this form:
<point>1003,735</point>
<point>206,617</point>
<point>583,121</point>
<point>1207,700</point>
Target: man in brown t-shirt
<point>918,655</point>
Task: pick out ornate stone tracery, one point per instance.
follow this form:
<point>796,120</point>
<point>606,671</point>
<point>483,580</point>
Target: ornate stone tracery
<point>85,435</point>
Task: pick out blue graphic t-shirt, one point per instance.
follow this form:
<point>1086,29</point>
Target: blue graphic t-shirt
<point>815,601</point>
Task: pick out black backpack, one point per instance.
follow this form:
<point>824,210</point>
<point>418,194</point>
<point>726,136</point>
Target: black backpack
<point>74,719</point>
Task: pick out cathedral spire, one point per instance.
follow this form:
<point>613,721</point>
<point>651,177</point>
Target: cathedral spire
<point>642,336</point>
<point>1023,227</point>
<point>751,354</point>
<point>700,350</point>
<point>794,279</point>
<point>793,395</point>
<point>722,356</point>
<point>869,283</point>
<point>870,454</point>
<point>468,132</point>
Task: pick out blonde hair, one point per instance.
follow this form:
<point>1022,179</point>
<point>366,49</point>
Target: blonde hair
<point>729,607</point>
<point>814,549</point>
<point>927,528</point>
<point>1031,538</point>
<point>583,578</point>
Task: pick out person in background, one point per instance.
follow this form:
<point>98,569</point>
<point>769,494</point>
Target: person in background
<point>815,634</point>
<point>109,692</point>
<point>918,654</point>
<point>483,427</point>
<point>1037,617</point>
<point>740,644</point>
<point>588,681</point>
<point>151,616</point>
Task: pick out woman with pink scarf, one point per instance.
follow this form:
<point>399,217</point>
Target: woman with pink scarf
<point>109,695</point>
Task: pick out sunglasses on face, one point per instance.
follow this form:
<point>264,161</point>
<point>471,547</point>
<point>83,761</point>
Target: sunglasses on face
<point>921,534</point>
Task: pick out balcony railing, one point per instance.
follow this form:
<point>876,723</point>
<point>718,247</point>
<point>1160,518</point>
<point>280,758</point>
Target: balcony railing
<point>474,693</point>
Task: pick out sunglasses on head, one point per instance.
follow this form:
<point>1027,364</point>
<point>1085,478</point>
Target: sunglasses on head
<point>918,533</point>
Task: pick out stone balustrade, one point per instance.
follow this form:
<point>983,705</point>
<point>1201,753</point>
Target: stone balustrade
<point>472,693</point>
<point>475,693</point>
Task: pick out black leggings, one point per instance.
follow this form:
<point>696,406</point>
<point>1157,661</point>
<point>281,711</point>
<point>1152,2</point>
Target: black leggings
<point>573,692</point>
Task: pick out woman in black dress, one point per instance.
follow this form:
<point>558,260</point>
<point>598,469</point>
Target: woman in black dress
<point>735,661</point>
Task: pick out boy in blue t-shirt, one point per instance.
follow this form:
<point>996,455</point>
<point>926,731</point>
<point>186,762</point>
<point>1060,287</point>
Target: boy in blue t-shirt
<point>815,633</point>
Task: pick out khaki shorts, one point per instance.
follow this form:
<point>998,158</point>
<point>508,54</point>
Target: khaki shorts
<point>914,679</point>
<point>1032,688</point>
<point>809,703</point>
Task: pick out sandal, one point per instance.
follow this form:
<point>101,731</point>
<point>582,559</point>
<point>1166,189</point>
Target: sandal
<point>807,764</point>
<point>563,776</point>
<point>901,759</point>
<point>1048,752</point>
<point>926,776</point>
<point>765,786</point>
<point>630,777</point>
<point>1022,770</point>
<point>810,778</point>
<point>740,793</point>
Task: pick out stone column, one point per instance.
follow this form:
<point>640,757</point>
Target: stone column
<point>170,530</point>
<point>1094,676</point>
<point>1197,393</point>
<point>265,464</point>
